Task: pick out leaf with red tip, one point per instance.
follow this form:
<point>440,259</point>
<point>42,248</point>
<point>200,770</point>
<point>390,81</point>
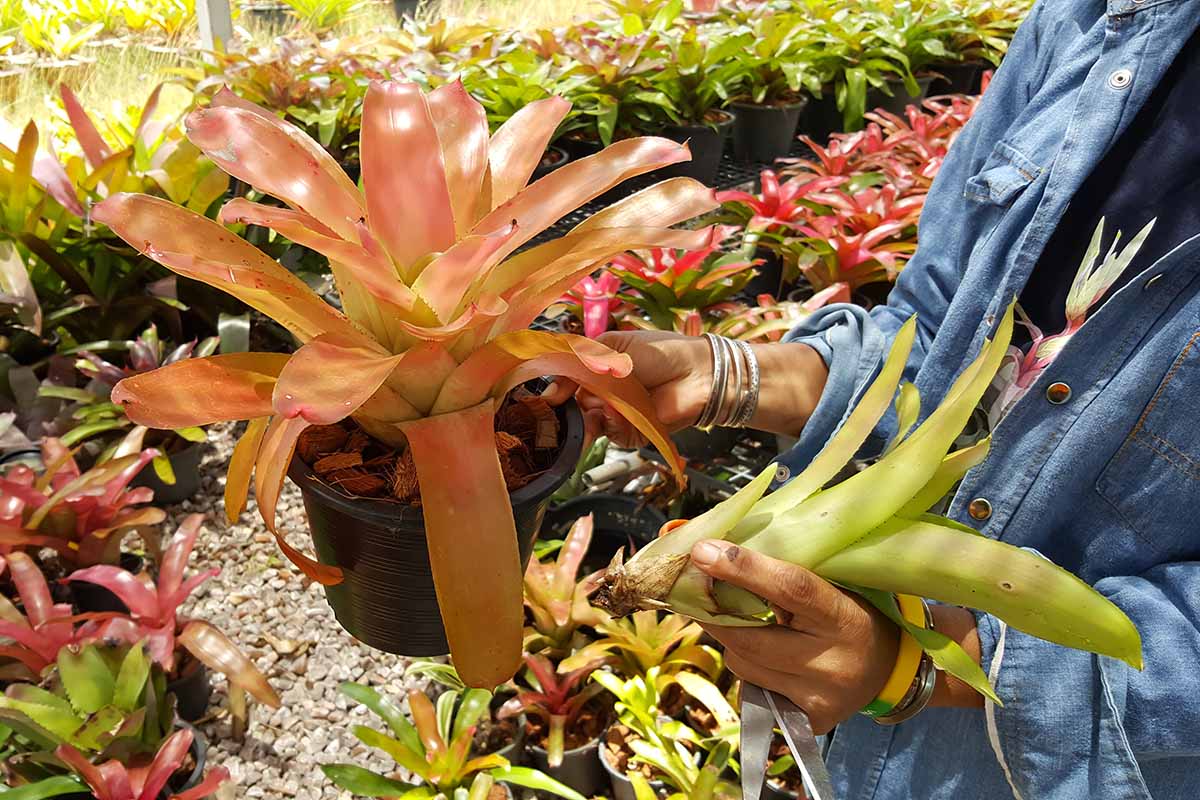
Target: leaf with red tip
<point>518,145</point>
<point>32,588</point>
<point>472,541</point>
<point>544,202</point>
<point>241,465</point>
<point>478,375</point>
<point>217,652</point>
<point>462,129</point>
<point>79,764</point>
<point>167,760</point>
<point>279,159</point>
<point>141,600</point>
<point>425,720</point>
<point>175,555</point>
<point>94,148</point>
<point>404,175</point>
<point>444,282</point>
<point>197,247</point>
<point>212,781</point>
<point>327,380</point>
<point>201,391</point>
<point>274,456</point>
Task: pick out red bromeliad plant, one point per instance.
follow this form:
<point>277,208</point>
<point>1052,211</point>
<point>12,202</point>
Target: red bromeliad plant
<point>436,308</point>
<point>113,780</point>
<point>81,515</point>
<point>557,699</point>
<point>779,205</point>
<point>594,300</point>
<point>154,615</point>
<point>32,639</point>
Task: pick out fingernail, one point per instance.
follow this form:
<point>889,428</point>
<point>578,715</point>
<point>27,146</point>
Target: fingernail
<point>706,553</point>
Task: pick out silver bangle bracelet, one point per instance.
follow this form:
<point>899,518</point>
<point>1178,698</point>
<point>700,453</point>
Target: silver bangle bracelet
<point>749,404</point>
<point>725,414</point>
<point>720,370</point>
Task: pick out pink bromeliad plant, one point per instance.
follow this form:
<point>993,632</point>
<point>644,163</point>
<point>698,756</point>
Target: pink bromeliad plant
<point>595,300</point>
<point>436,303</point>
<point>83,516</point>
<point>114,780</point>
<point>779,204</point>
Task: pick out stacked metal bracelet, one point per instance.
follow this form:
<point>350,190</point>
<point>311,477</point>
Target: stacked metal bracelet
<point>736,367</point>
<point>920,692</point>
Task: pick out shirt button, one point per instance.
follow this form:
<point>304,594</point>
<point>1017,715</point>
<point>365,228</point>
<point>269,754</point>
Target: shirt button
<point>979,509</point>
<point>782,474</point>
<point>1120,79</point>
<point>1058,393</point>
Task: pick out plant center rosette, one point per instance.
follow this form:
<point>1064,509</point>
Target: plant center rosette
<point>436,304</point>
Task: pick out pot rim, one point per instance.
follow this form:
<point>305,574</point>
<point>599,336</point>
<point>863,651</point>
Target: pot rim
<point>388,512</point>
<point>798,103</point>
<point>616,775</point>
<point>581,750</point>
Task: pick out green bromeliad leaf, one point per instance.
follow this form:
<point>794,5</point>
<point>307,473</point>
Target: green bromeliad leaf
<point>371,784</point>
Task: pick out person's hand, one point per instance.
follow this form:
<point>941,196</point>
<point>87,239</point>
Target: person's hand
<point>675,369</point>
<point>831,652</point>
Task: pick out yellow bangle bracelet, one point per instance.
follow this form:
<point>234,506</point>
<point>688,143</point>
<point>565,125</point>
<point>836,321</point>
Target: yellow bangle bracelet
<point>908,657</point>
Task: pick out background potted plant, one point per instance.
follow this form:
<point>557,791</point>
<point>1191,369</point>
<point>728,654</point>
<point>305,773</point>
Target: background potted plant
<point>428,352</point>
<point>567,717</point>
<point>772,70</point>
<point>435,747</point>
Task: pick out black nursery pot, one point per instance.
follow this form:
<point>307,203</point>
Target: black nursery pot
<point>769,277</point>
<point>957,78</point>
<point>386,598</point>
<point>762,134</point>
<point>186,466</point>
<point>580,768</point>
<point>619,521</point>
<point>900,98</point>
<point>552,159</point>
<point>94,597</point>
<point>707,143</point>
<point>192,690</point>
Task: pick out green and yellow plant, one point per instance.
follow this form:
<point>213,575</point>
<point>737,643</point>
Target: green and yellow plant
<point>871,533</point>
<point>436,303</point>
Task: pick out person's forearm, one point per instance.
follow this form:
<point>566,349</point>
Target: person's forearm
<point>959,625</point>
<point>791,378</point>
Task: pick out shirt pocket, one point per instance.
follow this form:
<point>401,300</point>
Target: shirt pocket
<point>1005,174</point>
<point>1153,480</point>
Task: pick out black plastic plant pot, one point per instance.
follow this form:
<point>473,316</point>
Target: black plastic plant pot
<point>186,466</point>
<point>405,8</point>
<point>192,689</point>
<point>821,117</point>
<point>707,143</point>
<point>552,159</point>
<point>271,15</point>
<point>957,78</point>
<point>622,787</point>
<point>619,521</point>
<point>578,147</point>
<point>580,768</point>
<point>763,133</point>
<point>769,274</point>
<point>94,597</point>
<point>386,598</point>
<point>900,98</point>
<point>698,445</point>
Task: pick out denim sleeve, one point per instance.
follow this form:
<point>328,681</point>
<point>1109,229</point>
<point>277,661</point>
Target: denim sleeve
<point>852,341</point>
<point>1076,719</point>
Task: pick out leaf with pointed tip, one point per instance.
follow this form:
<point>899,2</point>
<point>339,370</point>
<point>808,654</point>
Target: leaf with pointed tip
<point>94,148</point>
<point>462,130</point>
<point>216,651</point>
<point>444,282</point>
<point>517,146</point>
<point>241,465</point>
<point>387,711</point>
<point>361,781</point>
<point>86,678</point>
<point>327,379</point>
<point>141,600</point>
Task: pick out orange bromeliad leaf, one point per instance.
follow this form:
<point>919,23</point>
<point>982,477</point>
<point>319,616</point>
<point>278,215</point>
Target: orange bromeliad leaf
<point>201,391</point>
<point>434,302</point>
<point>467,513</point>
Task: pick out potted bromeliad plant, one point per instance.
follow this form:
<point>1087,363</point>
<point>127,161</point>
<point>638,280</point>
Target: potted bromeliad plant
<point>406,391</point>
<point>437,747</point>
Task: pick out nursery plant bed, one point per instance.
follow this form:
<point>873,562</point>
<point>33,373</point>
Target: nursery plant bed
<point>362,519</point>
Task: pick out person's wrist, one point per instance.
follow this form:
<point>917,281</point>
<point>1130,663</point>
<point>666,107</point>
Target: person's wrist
<point>792,378</point>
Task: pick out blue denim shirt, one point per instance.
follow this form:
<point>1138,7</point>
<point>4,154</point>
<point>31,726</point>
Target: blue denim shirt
<point>1105,485</point>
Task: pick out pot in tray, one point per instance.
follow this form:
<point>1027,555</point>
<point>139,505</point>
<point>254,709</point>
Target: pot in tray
<point>763,133</point>
<point>386,598</point>
<point>186,466</point>
<point>192,688</point>
<point>707,143</point>
<point>961,77</point>
<point>94,597</point>
<point>622,787</point>
<point>619,521</point>
<point>580,768</point>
